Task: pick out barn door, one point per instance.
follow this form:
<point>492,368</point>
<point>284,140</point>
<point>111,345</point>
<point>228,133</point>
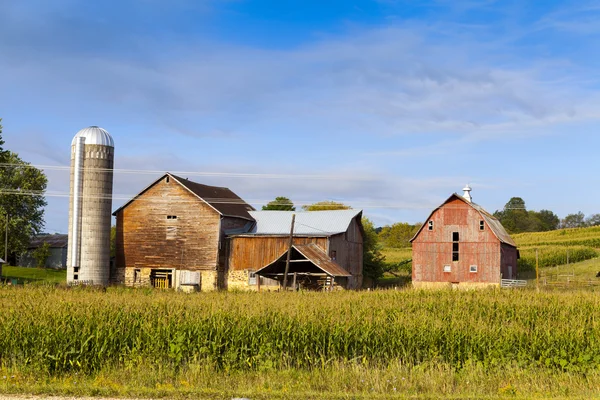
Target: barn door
<point>510,275</point>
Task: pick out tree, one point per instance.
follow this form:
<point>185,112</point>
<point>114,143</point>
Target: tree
<point>398,235</point>
<point>373,260</point>
<point>280,204</point>
<point>548,220</point>
<point>593,220</point>
<point>41,255</point>
<point>326,205</point>
<point>22,202</point>
<point>573,221</point>
<point>514,217</point>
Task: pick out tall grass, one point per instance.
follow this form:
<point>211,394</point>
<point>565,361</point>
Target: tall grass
<point>57,331</point>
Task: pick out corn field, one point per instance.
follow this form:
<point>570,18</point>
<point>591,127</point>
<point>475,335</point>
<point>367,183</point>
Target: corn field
<point>56,330</point>
<point>550,256</point>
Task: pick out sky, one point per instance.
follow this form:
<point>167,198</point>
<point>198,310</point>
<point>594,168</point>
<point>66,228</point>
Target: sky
<point>385,105</point>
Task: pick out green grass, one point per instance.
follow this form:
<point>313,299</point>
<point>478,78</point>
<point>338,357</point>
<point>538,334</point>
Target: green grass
<point>144,342</point>
<point>34,275</point>
<point>394,255</point>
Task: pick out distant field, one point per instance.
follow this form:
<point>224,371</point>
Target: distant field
<point>393,255</point>
<point>33,275</point>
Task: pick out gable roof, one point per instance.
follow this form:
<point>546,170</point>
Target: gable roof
<point>313,254</point>
<point>489,219</point>
<point>221,199</point>
<point>314,223</point>
<point>55,241</point>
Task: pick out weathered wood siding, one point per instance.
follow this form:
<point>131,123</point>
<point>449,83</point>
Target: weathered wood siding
<point>348,247</point>
<point>509,262</point>
<point>142,231</point>
<point>254,252</point>
<point>432,250</point>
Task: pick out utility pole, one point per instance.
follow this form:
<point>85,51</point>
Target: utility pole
<point>289,254</point>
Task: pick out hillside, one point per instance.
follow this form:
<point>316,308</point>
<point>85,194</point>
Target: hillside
<point>579,248</point>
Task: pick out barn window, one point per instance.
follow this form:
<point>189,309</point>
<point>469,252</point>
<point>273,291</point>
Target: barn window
<point>455,246</point>
<point>167,180</point>
<point>481,225</point>
<point>447,268</point>
<point>473,268</point>
<point>430,226</point>
<point>171,216</point>
<point>333,254</point>
<point>137,276</point>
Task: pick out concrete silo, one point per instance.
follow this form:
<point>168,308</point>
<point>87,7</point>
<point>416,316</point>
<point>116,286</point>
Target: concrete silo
<point>92,161</point>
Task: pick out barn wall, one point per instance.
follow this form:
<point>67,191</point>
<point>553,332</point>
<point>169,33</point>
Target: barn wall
<point>432,250</point>
<point>509,259</point>
<point>348,249</point>
<point>142,240</point>
<point>253,253</point>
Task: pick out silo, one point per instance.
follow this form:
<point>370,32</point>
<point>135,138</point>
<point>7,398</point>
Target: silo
<point>92,161</point>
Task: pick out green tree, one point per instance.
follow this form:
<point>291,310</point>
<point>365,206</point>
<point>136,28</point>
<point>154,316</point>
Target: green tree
<point>593,220</point>
<point>280,204</point>
<point>22,202</point>
<point>326,205</point>
<point>41,255</point>
<point>573,221</point>
<point>398,235</point>
<point>373,260</point>
<point>548,221</point>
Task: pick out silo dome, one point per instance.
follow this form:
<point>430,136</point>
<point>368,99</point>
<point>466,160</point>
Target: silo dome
<point>95,135</point>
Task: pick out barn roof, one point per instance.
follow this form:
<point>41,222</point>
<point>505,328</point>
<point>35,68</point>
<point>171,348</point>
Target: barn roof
<point>489,219</point>
<point>313,255</point>
<point>55,241</point>
<point>221,199</point>
<point>313,223</point>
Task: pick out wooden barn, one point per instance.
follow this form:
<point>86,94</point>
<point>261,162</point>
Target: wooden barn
<point>184,235</point>
<point>172,234</point>
<point>462,245</point>
<point>327,250</point>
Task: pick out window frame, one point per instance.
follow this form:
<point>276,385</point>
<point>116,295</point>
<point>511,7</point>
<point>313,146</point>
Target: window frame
<point>447,269</point>
<point>473,271</point>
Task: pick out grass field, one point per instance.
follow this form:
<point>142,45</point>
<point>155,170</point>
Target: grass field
<point>33,275</point>
<point>378,344</point>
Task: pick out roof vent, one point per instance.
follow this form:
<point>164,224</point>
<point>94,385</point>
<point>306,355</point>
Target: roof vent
<point>467,193</point>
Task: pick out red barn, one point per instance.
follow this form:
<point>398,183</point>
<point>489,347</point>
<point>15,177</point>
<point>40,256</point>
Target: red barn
<point>462,244</point>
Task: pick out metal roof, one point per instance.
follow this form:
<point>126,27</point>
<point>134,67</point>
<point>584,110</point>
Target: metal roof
<point>313,254</point>
<point>489,219</point>
<point>314,223</point>
<point>95,135</point>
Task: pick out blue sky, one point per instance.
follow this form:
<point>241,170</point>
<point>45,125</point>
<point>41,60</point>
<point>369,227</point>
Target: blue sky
<point>385,105</point>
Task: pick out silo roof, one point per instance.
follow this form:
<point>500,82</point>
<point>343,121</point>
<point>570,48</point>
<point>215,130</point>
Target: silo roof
<point>95,135</point>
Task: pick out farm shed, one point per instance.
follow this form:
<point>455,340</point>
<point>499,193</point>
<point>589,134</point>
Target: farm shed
<point>58,251</point>
<point>171,235</point>
<point>327,250</point>
<point>461,244</point>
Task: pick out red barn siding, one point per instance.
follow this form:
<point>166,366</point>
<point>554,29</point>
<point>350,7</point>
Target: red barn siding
<point>432,250</point>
